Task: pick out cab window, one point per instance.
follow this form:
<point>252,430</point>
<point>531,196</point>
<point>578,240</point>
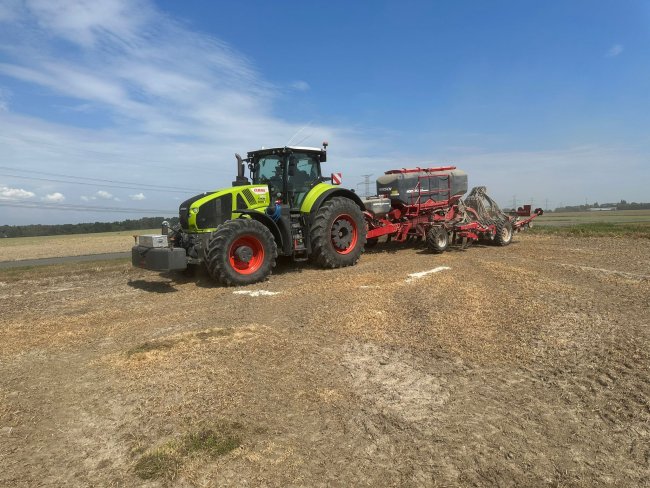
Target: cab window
<point>268,168</point>
<point>303,171</point>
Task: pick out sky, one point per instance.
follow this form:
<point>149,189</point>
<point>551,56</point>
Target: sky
<point>114,109</point>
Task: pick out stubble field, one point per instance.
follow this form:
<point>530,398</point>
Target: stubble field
<point>24,248</point>
<point>519,366</point>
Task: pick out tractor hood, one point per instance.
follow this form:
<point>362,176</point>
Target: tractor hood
<point>206,211</point>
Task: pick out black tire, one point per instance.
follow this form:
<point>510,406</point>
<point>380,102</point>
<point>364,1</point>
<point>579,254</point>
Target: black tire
<point>437,240</point>
<point>338,233</point>
<point>503,236</point>
<point>241,252</point>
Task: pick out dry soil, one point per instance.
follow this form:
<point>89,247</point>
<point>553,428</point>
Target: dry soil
<point>519,366</point>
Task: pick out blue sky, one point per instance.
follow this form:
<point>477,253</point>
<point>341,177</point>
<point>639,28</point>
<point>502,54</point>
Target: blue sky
<point>536,100</point>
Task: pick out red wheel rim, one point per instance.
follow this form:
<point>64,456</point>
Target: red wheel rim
<point>344,234</point>
<point>239,251</point>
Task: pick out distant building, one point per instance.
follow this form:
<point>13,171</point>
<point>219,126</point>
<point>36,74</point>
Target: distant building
<point>602,209</point>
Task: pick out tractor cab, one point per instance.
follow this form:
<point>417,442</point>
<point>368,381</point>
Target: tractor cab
<point>289,172</point>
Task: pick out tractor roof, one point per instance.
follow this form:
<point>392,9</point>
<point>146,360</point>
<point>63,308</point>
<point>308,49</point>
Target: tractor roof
<point>282,150</point>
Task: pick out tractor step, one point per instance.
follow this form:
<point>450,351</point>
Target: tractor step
<point>298,237</point>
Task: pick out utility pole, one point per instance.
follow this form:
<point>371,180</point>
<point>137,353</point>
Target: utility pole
<point>366,182</point>
<point>514,202</point>
<point>546,205</point>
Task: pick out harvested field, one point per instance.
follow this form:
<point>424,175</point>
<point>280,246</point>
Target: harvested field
<point>23,248</point>
<point>519,366</point>
<point>606,217</point>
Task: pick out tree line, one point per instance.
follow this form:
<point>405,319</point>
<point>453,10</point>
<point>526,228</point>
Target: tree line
<point>622,205</point>
<point>84,228</point>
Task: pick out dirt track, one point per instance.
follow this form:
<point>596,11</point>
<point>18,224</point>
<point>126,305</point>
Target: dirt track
<point>519,366</point>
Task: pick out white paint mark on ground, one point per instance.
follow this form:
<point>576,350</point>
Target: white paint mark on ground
<point>256,293</point>
<point>366,287</point>
<point>422,274</point>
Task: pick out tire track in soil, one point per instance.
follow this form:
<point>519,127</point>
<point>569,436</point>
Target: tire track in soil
<point>511,430</point>
<point>357,388</point>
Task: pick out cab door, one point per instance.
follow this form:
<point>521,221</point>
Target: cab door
<point>303,173</point>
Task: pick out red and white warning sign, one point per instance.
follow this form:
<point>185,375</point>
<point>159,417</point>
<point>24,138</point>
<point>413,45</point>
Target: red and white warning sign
<point>337,178</point>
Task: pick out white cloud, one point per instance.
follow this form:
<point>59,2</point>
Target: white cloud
<point>566,175</point>
<point>86,22</point>
<point>164,102</point>
<point>53,197</point>
<point>300,85</point>
<point>137,196</point>
<point>148,73</point>
<point>614,51</point>
<point>9,10</point>
<point>159,99</point>
<point>7,193</point>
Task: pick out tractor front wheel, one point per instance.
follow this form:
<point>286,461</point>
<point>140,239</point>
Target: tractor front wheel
<point>338,233</point>
<point>437,240</point>
<point>241,252</point>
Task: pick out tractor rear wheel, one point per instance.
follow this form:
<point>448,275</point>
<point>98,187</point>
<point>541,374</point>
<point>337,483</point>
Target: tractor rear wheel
<point>437,240</point>
<point>241,252</point>
<point>503,236</point>
<point>338,233</point>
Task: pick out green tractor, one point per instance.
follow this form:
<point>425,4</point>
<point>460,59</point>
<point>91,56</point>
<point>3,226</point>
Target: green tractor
<point>286,208</point>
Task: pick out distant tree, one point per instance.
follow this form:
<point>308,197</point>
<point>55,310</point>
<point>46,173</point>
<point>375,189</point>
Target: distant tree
<point>35,230</point>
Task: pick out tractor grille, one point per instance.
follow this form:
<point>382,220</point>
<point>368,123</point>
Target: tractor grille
<point>248,195</point>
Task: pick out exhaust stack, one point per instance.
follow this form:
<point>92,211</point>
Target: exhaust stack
<point>241,179</point>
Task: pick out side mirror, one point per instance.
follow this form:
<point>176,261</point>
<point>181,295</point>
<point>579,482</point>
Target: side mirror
<point>323,156</point>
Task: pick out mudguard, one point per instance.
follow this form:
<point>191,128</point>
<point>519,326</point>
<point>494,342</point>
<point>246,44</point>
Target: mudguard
<point>323,192</point>
<point>268,222</point>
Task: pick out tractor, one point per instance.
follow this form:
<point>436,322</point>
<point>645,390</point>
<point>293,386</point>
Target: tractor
<point>286,208</point>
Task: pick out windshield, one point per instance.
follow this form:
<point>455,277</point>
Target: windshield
<point>267,168</point>
<point>268,171</point>
<point>301,170</point>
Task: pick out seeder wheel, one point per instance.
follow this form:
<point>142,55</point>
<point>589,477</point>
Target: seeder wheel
<point>437,240</point>
<point>503,236</point>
